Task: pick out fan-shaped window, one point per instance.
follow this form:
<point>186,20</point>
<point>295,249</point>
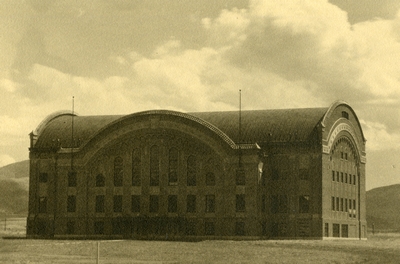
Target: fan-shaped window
<point>191,171</point>
<point>173,166</point>
<point>136,168</point>
<point>154,166</point>
<point>100,180</point>
<point>118,171</point>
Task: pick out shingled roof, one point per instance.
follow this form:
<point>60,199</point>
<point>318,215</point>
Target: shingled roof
<point>258,126</point>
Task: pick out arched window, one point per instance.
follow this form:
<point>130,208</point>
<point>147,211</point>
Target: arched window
<point>191,171</point>
<point>173,166</point>
<point>136,167</point>
<point>154,166</point>
<point>100,180</point>
<point>118,171</point>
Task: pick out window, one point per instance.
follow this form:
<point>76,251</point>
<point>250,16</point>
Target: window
<point>263,203</point>
<point>337,176</point>
<point>154,166</point>
<point>43,177</point>
<point>240,177</point>
<point>341,155</point>
<point>337,204</point>
<point>333,175</point>
<point>333,203</point>
<point>326,230</point>
<point>117,205</point>
<point>345,230</point>
<point>71,203</point>
<point>240,203</point>
<point>42,204</point>
<point>346,208</point>
<point>240,229</point>
<point>345,114</point>
<point>345,178</point>
<point>99,227</point>
<point>210,203</point>
<point>153,204</point>
<point>345,156</point>
<point>341,205</point>
<point>135,203</point>
<point>304,204</point>
<point>190,228</point>
<point>173,166</point>
<point>209,228</point>
<point>118,171</point>
<point>136,168</point>
<point>350,181</point>
<point>117,226</point>
<point>172,203</point>
<point>70,227</point>
<point>100,180</point>
<point>99,204</point>
<point>72,179</point>
<point>341,176</point>
<point>210,179</point>
<point>274,204</point>
<point>354,179</point>
<point>336,230</point>
<point>191,171</point>
<point>191,203</point>
<point>303,174</point>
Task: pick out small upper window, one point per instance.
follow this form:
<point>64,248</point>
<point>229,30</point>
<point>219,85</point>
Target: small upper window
<point>100,180</point>
<point>345,114</point>
<point>72,179</point>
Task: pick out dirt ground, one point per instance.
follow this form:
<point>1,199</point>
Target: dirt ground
<point>380,248</point>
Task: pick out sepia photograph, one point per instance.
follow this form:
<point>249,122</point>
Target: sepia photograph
<point>211,131</point>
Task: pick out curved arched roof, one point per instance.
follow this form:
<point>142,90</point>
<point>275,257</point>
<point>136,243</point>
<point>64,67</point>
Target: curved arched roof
<point>258,126</point>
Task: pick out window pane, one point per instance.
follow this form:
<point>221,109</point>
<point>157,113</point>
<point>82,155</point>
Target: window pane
<point>118,171</point>
<point>240,203</point>
<point>209,228</point>
<point>117,203</point>
<point>173,166</point>
<point>135,203</point>
<point>240,177</point>
<point>100,180</point>
<point>304,204</point>
<point>210,203</point>
<point>191,171</point>
<point>72,179</point>
<point>153,204</point>
<point>99,204</point>
<point>71,203</point>
<point>136,168</point>
<point>154,166</point>
<point>191,203</point>
<point>172,203</point>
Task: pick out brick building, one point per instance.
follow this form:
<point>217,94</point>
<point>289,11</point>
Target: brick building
<point>288,173</point>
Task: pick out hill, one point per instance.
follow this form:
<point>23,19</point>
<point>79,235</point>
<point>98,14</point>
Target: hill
<point>14,184</point>
<point>383,209</point>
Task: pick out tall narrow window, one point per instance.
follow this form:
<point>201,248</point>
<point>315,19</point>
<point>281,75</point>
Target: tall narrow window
<point>304,204</point>
<point>135,203</point>
<point>210,176</point>
<point>71,203</point>
<point>117,203</point>
<point>172,203</point>
<point>173,166</point>
<point>42,204</point>
<point>118,171</point>
<point>154,166</point>
<point>210,203</point>
<point>191,203</point>
<point>153,208</point>
<point>333,203</point>
<point>70,227</point>
<point>240,203</point>
<point>100,180</point>
<point>99,204</point>
<point>72,179</point>
<point>136,168</point>
<point>240,177</point>
<point>191,171</point>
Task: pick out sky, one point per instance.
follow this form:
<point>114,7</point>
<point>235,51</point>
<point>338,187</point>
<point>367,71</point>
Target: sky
<point>125,56</point>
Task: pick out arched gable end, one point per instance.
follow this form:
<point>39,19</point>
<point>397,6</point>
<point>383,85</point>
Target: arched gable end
<point>340,120</point>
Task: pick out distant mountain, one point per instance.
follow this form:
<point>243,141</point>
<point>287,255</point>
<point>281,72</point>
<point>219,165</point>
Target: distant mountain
<point>383,208</point>
<point>14,184</point>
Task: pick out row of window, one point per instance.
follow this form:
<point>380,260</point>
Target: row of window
<point>338,230</point>
<point>190,228</point>
<point>136,207</point>
<point>344,205</point>
<point>279,204</point>
<point>344,177</point>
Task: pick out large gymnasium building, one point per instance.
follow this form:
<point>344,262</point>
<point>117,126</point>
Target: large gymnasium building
<point>262,174</point>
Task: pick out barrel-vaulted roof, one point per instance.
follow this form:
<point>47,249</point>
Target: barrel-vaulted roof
<point>257,126</point>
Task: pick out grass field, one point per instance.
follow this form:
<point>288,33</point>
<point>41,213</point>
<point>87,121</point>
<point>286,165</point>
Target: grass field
<point>379,248</point>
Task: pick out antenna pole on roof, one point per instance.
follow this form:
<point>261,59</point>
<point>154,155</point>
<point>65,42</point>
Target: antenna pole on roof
<point>72,134</point>
<point>240,128</point>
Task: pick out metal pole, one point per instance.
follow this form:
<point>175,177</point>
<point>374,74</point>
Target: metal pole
<point>98,253</point>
